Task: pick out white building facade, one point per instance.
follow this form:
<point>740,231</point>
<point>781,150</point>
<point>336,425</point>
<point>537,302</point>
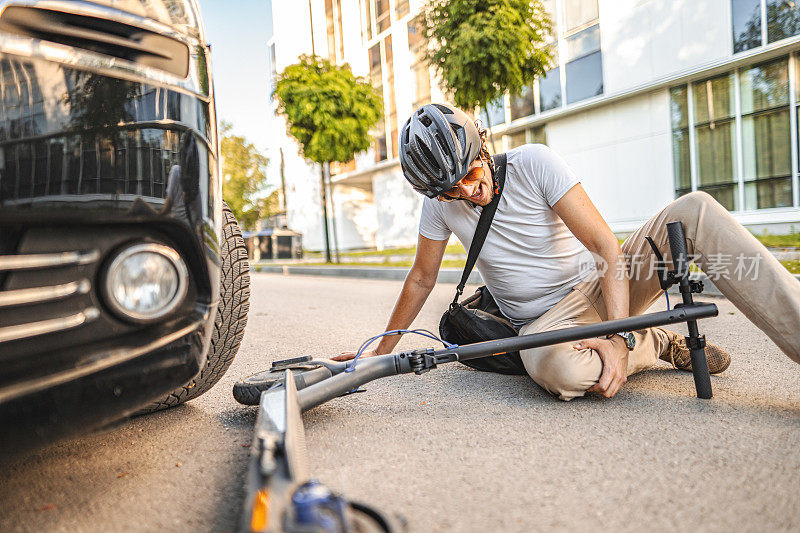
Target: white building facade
<point>648,100</point>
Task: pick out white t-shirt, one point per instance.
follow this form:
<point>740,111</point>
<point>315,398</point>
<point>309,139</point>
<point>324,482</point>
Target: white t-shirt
<point>530,260</point>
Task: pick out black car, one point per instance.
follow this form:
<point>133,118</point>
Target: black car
<point>124,281</point>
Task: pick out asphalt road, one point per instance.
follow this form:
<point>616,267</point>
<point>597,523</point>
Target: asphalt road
<point>453,450</point>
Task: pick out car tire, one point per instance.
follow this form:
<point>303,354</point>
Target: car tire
<point>231,319</point>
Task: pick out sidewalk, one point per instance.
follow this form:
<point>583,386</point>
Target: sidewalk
<point>366,265</point>
<point>446,275</point>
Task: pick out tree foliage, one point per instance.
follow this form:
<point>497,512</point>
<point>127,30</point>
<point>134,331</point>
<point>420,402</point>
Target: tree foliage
<point>329,110</point>
<point>481,48</point>
<point>244,178</point>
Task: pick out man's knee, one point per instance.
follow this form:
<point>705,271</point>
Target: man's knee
<point>691,205</point>
<point>562,370</point>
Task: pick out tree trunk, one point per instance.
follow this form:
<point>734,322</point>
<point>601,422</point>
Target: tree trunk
<point>282,206</point>
<point>311,27</point>
<point>327,168</point>
<point>325,215</point>
<point>489,128</point>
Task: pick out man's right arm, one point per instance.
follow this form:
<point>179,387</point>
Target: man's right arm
<point>418,285</point>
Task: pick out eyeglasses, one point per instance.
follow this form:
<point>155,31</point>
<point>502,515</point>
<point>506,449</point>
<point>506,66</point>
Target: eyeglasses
<point>454,193</point>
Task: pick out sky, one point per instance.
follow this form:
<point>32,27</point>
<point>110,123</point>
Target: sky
<point>238,31</point>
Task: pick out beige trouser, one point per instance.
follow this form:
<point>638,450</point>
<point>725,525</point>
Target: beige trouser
<point>743,270</point>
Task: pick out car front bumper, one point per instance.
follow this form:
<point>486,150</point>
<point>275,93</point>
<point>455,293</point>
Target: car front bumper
<point>92,161</point>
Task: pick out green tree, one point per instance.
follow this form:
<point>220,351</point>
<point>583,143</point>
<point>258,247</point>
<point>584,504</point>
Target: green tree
<point>481,48</point>
<point>243,177</point>
<point>329,111</point>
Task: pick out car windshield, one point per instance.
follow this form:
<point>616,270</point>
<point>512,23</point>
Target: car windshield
<point>180,14</point>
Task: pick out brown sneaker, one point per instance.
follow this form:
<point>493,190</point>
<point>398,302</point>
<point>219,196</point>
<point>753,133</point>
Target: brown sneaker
<point>677,353</point>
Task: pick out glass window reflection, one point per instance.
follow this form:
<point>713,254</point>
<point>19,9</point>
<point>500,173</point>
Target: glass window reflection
<point>783,19</point>
<point>584,77</point>
<point>550,90</point>
<point>522,105</point>
<point>84,133</point>
<point>715,139</point>
<point>766,142</point>
<point>579,12</point>
<point>494,113</point>
<point>533,135</point>
<point>584,42</point>
<point>518,138</point>
<point>681,162</point>
<point>746,22</point>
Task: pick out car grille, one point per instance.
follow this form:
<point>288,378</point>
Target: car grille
<point>50,306</point>
<point>45,266</point>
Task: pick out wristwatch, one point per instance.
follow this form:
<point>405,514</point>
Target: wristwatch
<point>627,336</point>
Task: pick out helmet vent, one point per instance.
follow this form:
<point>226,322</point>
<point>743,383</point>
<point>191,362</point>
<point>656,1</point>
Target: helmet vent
<point>442,142</point>
<point>444,109</point>
<point>459,132</point>
<point>426,120</point>
<point>428,155</point>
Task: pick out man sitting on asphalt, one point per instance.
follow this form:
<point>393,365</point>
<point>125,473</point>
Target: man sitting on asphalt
<point>545,234</point>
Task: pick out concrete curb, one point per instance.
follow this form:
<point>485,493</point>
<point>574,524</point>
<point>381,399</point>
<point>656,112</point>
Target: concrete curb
<point>446,275</point>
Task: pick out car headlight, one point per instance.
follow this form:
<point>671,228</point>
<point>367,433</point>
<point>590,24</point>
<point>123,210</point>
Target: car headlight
<point>145,282</point>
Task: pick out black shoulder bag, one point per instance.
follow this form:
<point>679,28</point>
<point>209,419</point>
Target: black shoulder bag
<point>477,318</point>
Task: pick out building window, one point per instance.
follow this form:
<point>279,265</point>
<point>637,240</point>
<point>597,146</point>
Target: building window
<point>376,77</point>
<point>381,63</point>
<point>375,65</point>
<point>523,104</point>
<point>739,146</point>
<point>401,8</point>
<point>380,147</point>
<point>715,138</point>
<point>368,16</point>
<point>534,135</point>
<point>389,95</point>
<point>273,71</point>
<point>494,113</point>
<point>382,21</point>
<point>422,85</point>
<point>746,15</point>
<point>377,15</point>
<point>419,68</point>
<point>584,66</point>
<point>681,162</point>
<point>333,26</point>
<point>550,90</point>
<point>584,77</point>
<point>518,138</point>
<point>579,13</point>
<point>782,18</point>
<point>766,139</point>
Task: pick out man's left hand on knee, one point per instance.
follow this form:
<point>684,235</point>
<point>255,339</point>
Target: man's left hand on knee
<point>614,355</point>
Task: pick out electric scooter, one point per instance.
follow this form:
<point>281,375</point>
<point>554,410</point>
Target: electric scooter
<point>281,495</point>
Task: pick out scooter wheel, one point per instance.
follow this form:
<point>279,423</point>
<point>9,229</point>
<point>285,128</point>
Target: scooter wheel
<point>247,391</point>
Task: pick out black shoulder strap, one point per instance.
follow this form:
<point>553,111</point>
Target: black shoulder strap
<point>484,222</point>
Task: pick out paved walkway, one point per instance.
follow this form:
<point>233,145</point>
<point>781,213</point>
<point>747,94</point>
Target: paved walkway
<point>452,450</point>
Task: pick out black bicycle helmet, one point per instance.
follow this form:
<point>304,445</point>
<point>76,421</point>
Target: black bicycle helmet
<point>438,144</point>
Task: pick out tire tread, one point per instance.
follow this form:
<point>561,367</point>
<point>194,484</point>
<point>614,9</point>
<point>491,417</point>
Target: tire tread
<point>230,321</point>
